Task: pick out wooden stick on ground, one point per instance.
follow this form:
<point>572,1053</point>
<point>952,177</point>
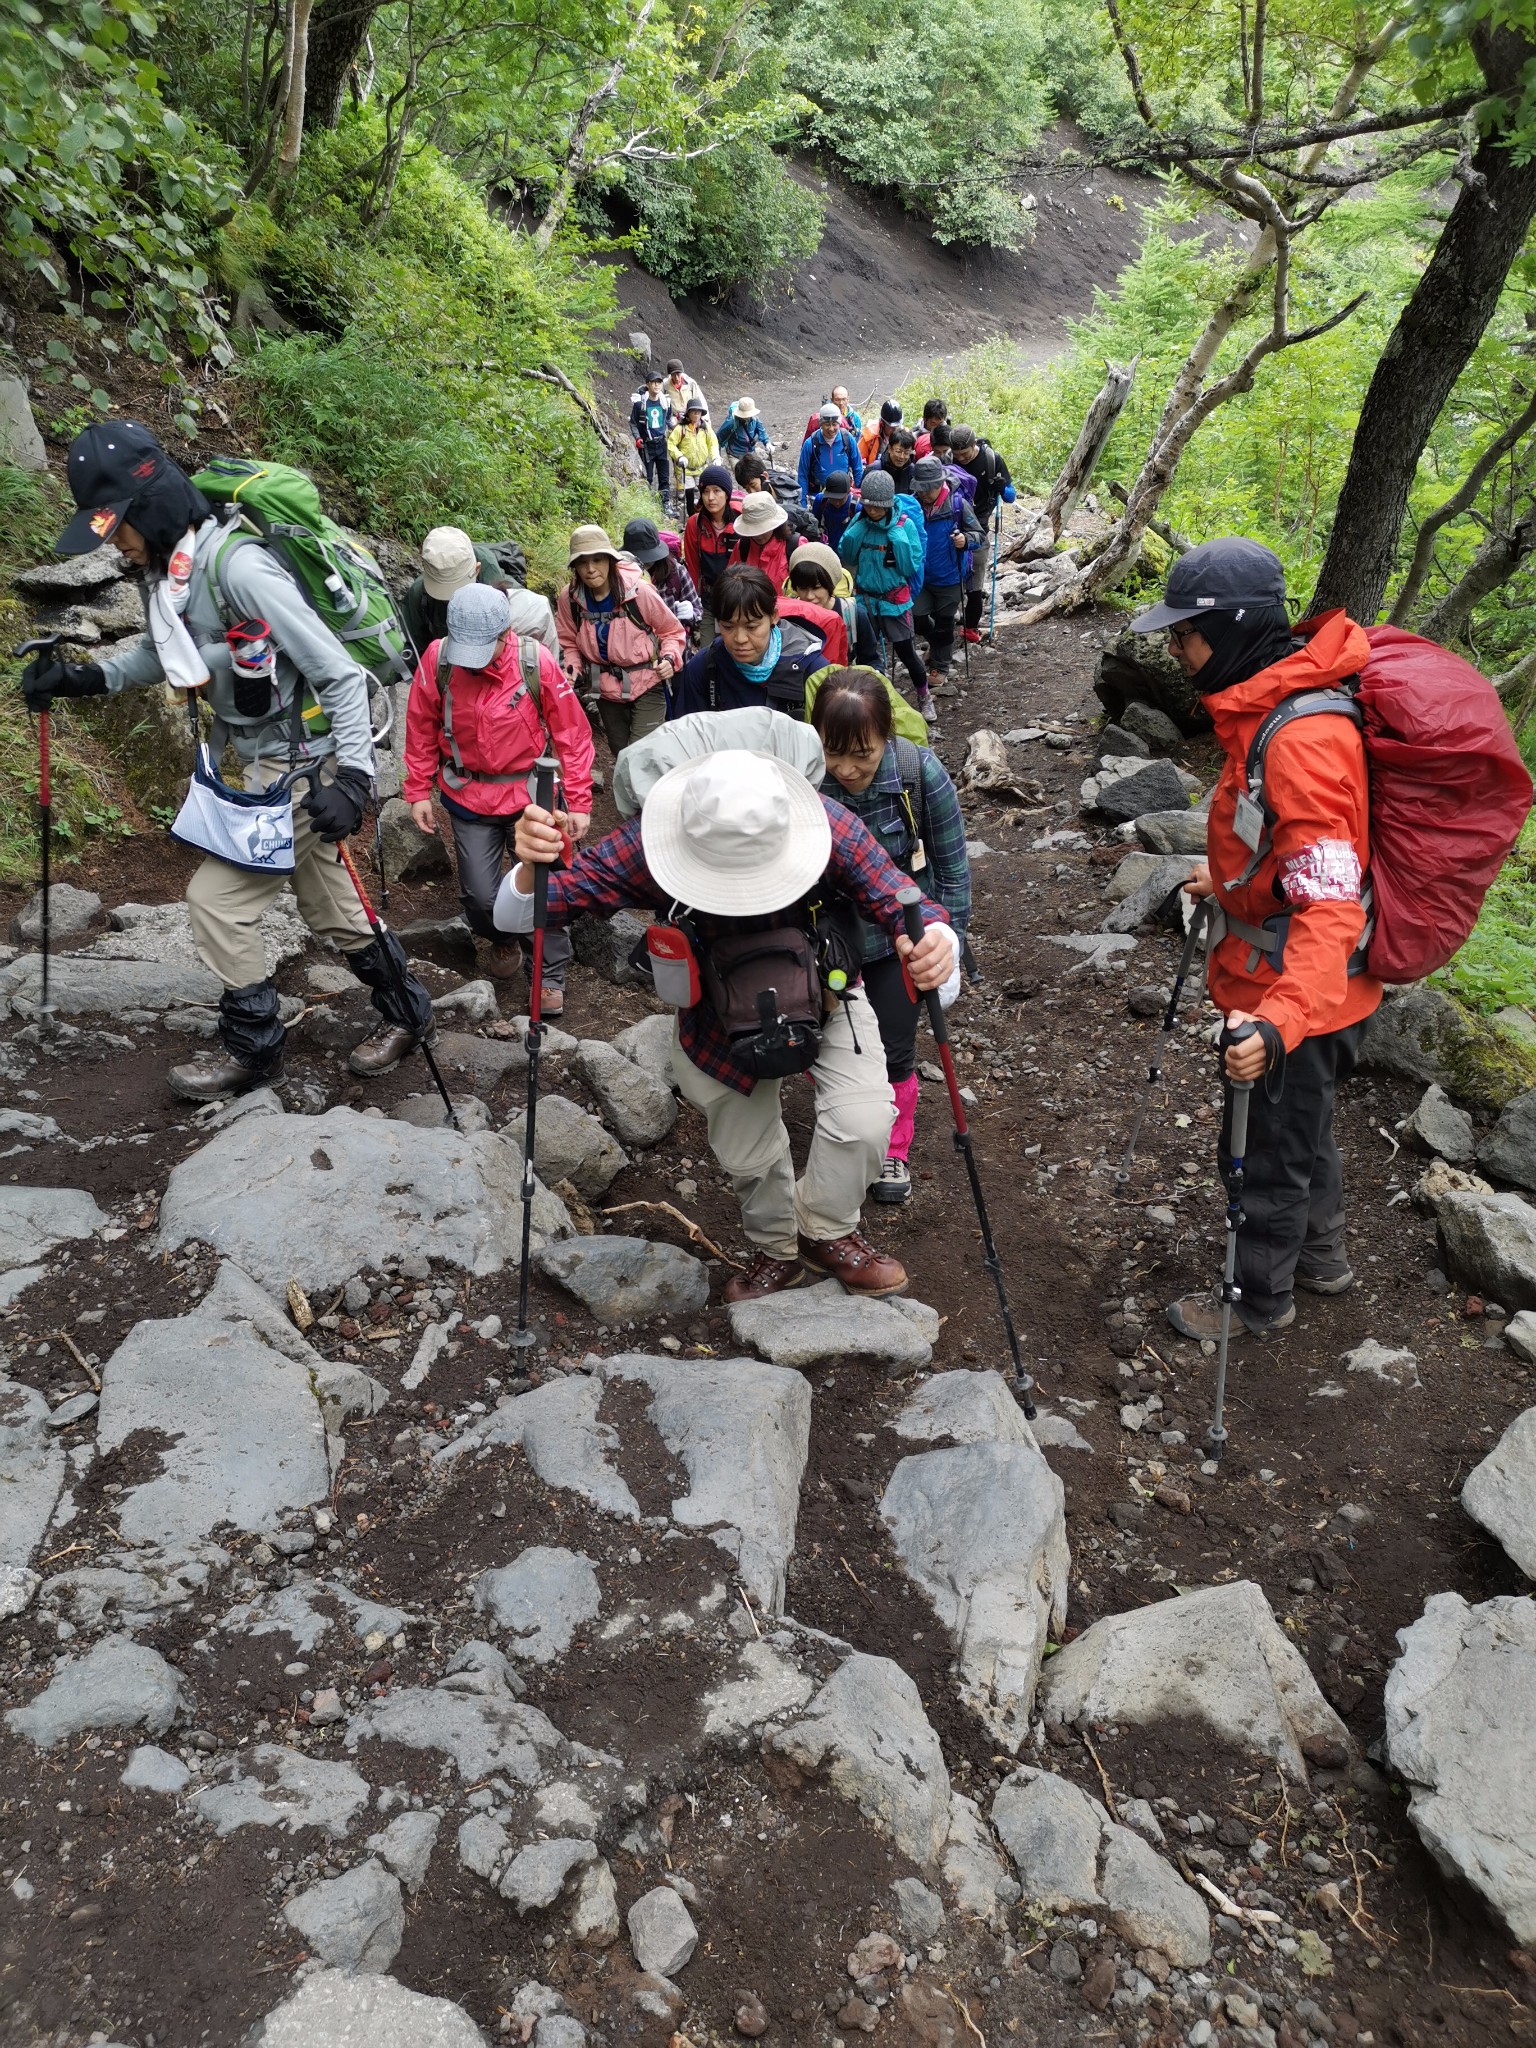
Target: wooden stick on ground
<point>688,1224</point>
<point>80,1359</point>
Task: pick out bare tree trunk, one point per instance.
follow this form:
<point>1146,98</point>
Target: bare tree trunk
<point>574,167</point>
<point>1452,508</point>
<point>295,75</point>
<point>1500,555</point>
<point>1435,337</point>
<point>337,35</point>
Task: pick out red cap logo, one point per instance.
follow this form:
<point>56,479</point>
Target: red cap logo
<point>146,468</point>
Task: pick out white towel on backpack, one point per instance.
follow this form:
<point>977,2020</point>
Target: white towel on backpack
<point>185,668</point>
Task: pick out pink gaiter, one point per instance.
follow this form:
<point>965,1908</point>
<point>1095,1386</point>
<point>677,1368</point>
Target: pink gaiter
<point>906,1116</point>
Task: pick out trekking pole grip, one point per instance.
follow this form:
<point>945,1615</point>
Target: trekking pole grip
<point>911,899</point>
<point>542,791</point>
<point>1242,1091</point>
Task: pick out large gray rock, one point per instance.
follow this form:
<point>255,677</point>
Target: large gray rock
<point>540,1871</point>
<point>31,1473</point>
<point>570,1144</point>
<point>343,1191</point>
<point>867,1729</point>
<point>117,612</point>
<point>649,1044</point>
<point>627,1279</point>
<point>118,1684</point>
<point>741,1431</point>
<point>767,1686</point>
<point>661,1932</point>
<point>1500,1493</point>
<point>352,1922</point>
<point>1181,830</point>
<point>71,911</point>
<point>474,1717</point>
<point>20,442</point>
<point>541,1598</point>
<point>33,1221</point>
<point>595,1907</point>
<point>335,2009</point>
<point>1489,1244</point>
<point>981,1529</point>
<point>605,944</point>
<point>59,582</point>
<point>1137,668</point>
<point>249,1435</point>
<point>967,1407</point>
<point>978,1879</point>
<point>1131,872</point>
<point>1216,1656</point>
<point>270,1786</point>
<point>1438,1127</point>
<point>1153,786</point>
<point>636,1103</point>
<point>80,984</point>
<point>161,933</point>
<point>1148,723</point>
<point>1071,1857</point>
<point>1461,1733</point>
<point>558,1431</point>
<point>1146,899</point>
<point>1509,1150</point>
<point>342,1389</point>
<point>809,1324</point>
<point>406,1845</point>
<point>409,853</point>
<point>151,1769</point>
<point>1422,1034</point>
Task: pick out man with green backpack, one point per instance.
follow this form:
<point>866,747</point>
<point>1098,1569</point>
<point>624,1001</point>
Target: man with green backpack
<point>275,618</point>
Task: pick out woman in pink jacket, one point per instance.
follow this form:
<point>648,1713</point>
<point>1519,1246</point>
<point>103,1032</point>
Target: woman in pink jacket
<point>484,705</point>
<point>615,625</point>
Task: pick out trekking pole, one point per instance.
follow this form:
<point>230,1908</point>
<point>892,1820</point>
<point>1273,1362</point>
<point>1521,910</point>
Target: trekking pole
<point>542,792</point>
<point>1155,1066</point>
<point>1023,1383</point>
<point>44,821</point>
<point>1237,1146</point>
<point>396,975</point>
<point>997,541</point>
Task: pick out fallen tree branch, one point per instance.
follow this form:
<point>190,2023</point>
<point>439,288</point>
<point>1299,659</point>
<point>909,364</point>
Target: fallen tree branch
<point>1180,543</point>
<point>688,1224</point>
<point>551,373</point>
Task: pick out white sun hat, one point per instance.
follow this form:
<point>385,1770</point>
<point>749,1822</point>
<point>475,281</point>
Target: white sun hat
<point>735,834</point>
<point>745,408</point>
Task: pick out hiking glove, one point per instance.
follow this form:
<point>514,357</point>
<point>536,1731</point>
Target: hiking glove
<point>46,677</point>
<point>335,809</point>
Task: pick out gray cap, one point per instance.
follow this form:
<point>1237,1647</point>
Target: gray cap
<point>478,615</point>
<point>927,473</point>
<point>1226,575</point>
<point>879,488</point>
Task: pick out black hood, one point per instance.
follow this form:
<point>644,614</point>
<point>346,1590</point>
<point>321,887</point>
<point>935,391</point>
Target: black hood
<point>1243,642</point>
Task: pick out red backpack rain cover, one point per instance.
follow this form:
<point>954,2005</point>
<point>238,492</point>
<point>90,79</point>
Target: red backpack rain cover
<point>1449,794</point>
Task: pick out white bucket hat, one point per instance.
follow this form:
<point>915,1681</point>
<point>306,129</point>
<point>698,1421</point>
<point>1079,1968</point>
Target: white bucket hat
<point>735,834</point>
<point>760,513</point>
<point>745,408</point>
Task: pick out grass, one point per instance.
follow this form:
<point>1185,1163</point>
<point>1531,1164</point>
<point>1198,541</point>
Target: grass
<point>1497,965</point>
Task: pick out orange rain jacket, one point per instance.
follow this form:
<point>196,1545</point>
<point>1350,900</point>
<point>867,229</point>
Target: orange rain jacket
<point>1315,783</point>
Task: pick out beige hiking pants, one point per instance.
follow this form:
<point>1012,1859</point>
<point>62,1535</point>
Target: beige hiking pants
<point>226,903</point>
<point>854,1112</point>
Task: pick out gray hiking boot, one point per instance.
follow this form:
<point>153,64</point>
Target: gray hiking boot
<point>213,1075</point>
<point>1198,1316</point>
<point>1329,1279</point>
<point>384,1050</point>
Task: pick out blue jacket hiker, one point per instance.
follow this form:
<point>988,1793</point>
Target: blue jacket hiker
<point>831,448</point>
<point>650,421</point>
<point>951,531</point>
<point>885,549</point>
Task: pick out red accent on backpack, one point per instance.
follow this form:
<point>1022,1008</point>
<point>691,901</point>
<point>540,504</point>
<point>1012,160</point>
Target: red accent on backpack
<point>829,624</point>
<point>673,543</point>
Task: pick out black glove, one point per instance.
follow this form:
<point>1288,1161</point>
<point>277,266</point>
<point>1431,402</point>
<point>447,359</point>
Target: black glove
<point>336,808</point>
<point>46,677</point>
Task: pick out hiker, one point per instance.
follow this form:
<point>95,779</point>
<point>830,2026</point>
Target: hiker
<point>851,420</point>
<point>831,447</point>
<point>756,658</point>
<point>449,561</point>
<point>1228,629</point>
<point>228,620</point>
<point>951,531</point>
<point>650,422</point>
<point>938,440</point>
<point>742,430</point>
<point>763,538</point>
<point>484,706</point>
<point>834,505</point>
<point>903,794</point>
<point>934,411</point>
<point>644,543</point>
<point>615,627</point>
<point>873,438</point>
<point>898,457</point>
<point>818,580</point>
<point>751,474</point>
<point>740,846</point>
<point>709,540</point>
<point>679,389</point>
<point>885,549</point>
<point>994,487</point>
<point>693,447</point>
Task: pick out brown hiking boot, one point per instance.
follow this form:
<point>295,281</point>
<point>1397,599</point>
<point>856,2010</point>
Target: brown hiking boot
<point>386,1048</point>
<point>1198,1316</point>
<point>501,960</point>
<point>215,1074</point>
<point>764,1275</point>
<point>855,1261</point>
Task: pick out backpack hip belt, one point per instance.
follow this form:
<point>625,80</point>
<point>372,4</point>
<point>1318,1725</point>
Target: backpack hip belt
<point>452,773</point>
<point>1266,941</point>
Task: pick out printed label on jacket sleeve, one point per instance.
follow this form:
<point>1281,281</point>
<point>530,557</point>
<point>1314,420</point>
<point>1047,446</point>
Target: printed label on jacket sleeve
<point>1327,871</point>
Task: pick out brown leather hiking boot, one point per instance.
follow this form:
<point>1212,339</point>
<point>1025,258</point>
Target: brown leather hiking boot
<point>1198,1316</point>
<point>501,960</point>
<point>855,1261</point>
<point>215,1074</point>
<point>385,1049</point>
<point>764,1275</point>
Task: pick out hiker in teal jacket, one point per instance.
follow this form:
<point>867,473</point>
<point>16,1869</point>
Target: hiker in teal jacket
<point>885,547</point>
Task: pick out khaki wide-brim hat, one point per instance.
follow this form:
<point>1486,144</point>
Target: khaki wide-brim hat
<point>760,513</point>
<point>735,834</point>
<point>590,540</point>
<point>745,408</point>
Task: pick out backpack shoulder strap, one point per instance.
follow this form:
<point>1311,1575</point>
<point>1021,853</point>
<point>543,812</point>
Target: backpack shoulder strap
<point>1338,702</point>
<point>528,656</point>
<point>909,766</point>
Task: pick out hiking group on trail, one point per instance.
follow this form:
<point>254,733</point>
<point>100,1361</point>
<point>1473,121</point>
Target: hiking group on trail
<point>787,825</point>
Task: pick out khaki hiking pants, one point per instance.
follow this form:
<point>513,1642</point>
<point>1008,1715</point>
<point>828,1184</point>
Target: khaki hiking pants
<point>854,1112</point>
<point>226,903</point>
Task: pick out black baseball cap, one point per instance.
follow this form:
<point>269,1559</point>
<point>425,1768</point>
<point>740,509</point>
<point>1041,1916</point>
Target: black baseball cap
<point>1227,575</point>
<point>108,466</point>
<point>644,542</point>
<point>838,484</point>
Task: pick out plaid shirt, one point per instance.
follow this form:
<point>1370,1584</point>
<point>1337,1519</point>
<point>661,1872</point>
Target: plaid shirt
<point>934,817</point>
<point>612,875</point>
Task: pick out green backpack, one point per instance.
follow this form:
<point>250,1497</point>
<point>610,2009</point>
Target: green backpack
<point>340,579</point>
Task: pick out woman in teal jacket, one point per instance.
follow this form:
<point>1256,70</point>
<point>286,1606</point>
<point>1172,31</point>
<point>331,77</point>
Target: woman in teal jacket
<point>885,548</point>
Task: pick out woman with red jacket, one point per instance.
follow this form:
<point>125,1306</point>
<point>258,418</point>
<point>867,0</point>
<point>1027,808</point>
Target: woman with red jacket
<point>709,537</point>
<point>615,625</point>
<point>483,706</point>
<point>762,538</point>
<point>1285,878</point>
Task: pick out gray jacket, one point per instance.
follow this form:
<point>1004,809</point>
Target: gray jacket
<point>256,585</point>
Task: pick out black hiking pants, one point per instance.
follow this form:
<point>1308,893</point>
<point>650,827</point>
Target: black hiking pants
<point>935,613</point>
<point>482,848</point>
<point>896,1013</point>
<point>897,632</point>
<point>1293,1185</point>
<point>658,466</point>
